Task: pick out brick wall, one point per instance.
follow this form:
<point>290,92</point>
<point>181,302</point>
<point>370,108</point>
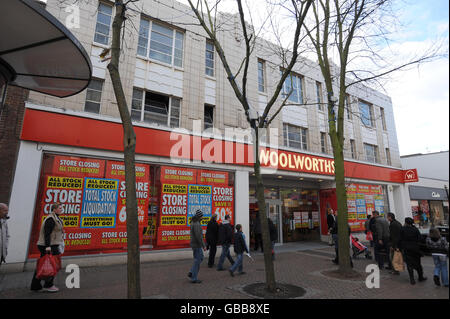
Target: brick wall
<point>10,127</point>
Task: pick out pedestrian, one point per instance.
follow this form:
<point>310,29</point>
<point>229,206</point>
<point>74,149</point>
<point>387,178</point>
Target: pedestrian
<point>439,250</point>
<point>258,233</point>
<point>4,233</point>
<point>394,236</point>
<point>381,238</point>
<point>273,236</point>
<point>197,245</point>
<point>367,230</point>
<point>330,223</point>
<point>51,240</point>
<point>212,235</point>
<point>333,231</point>
<point>225,239</point>
<point>409,243</point>
<point>239,247</point>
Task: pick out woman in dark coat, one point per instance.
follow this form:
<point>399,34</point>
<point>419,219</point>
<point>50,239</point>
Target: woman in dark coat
<point>409,243</point>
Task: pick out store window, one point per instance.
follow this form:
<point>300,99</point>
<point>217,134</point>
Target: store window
<point>209,58</point>
<point>103,25</point>
<point>300,214</point>
<point>371,153</point>
<point>93,197</point>
<point>295,136</point>
<point>366,113</point>
<point>93,96</point>
<point>293,87</point>
<point>161,43</point>
<point>261,75</point>
<point>155,108</point>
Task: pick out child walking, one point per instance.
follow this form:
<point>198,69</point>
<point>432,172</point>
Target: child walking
<point>239,248</point>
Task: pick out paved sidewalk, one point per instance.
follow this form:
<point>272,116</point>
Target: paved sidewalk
<point>297,265</point>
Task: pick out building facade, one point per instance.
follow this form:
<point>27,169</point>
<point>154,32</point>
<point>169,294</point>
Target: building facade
<point>194,147</point>
<point>429,196</point>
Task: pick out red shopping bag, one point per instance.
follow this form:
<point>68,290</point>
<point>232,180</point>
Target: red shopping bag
<point>369,236</point>
<point>47,266</point>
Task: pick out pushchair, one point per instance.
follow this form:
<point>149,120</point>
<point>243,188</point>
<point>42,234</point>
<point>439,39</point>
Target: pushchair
<point>358,248</point>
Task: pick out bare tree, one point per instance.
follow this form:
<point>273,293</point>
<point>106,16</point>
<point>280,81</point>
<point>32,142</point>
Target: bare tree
<point>346,34</point>
<point>129,145</point>
<point>204,13</point>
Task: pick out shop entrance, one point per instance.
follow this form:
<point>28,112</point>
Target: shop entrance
<point>273,209</point>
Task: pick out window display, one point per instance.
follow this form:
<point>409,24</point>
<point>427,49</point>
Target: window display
<point>93,197</point>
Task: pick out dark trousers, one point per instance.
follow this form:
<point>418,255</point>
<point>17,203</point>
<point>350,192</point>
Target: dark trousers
<point>48,282</point>
<point>258,241</point>
<point>382,252</point>
<point>212,254</point>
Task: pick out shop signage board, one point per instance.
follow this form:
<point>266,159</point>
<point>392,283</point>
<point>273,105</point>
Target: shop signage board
<point>99,134</point>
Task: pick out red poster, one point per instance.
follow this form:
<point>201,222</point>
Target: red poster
<point>92,194</point>
<point>185,190</point>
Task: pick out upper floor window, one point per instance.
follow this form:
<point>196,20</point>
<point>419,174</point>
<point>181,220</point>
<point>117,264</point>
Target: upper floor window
<point>371,153</point>
<point>319,96</point>
<point>383,118</point>
<point>102,28</point>
<point>366,113</point>
<point>388,157</point>
<point>353,148</point>
<point>348,107</point>
<point>323,142</point>
<point>93,96</point>
<point>293,86</point>
<point>161,43</point>
<point>155,108</point>
<point>295,136</point>
<point>209,58</point>
<point>261,73</point>
<point>208,118</point>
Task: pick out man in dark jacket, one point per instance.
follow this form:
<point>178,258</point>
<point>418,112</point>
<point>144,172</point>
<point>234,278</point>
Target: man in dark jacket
<point>394,234</point>
<point>273,236</point>
<point>258,232</point>
<point>225,239</point>
<point>409,243</point>
<point>380,230</point>
<point>197,246</point>
<point>212,235</point>
<point>239,248</point>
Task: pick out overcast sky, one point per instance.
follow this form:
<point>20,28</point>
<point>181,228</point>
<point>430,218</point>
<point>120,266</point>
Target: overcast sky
<point>420,96</point>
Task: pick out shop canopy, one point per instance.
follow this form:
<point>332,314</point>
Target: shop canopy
<point>39,53</point>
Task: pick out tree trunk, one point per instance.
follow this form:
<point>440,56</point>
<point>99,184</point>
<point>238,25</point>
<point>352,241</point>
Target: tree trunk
<point>268,262</point>
<point>129,145</point>
<point>342,218</point>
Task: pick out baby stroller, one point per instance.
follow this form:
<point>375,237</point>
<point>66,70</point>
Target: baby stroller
<point>358,248</point>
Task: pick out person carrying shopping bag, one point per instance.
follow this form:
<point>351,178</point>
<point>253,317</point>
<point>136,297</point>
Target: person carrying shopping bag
<point>51,241</point>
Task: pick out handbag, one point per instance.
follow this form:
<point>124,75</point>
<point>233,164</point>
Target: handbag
<point>369,236</point>
<point>397,261</point>
<point>47,266</point>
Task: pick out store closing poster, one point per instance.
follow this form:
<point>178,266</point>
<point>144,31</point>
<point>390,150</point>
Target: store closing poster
<point>92,194</point>
<point>362,200</point>
<point>183,192</point>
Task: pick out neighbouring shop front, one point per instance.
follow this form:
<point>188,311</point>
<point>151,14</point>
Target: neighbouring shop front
<point>429,206</point>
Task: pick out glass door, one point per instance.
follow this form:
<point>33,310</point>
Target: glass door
<point>274,213</point>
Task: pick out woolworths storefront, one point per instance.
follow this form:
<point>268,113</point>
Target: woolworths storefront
<point>76,160</point>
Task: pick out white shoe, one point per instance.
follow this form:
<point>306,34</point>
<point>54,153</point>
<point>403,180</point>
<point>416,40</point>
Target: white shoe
<point>51,289</point>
